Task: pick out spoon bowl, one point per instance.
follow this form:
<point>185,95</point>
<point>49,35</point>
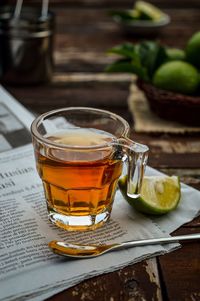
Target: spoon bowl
<point>79,251</point>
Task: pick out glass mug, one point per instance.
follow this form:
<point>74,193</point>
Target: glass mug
<point>79,154</point>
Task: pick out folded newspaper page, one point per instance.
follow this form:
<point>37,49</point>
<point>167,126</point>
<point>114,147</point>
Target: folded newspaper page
<point>15,122</point>
<point>28,269</point>
<point>26,231</point>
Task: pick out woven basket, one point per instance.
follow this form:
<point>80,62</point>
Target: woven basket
<point>172,106</point>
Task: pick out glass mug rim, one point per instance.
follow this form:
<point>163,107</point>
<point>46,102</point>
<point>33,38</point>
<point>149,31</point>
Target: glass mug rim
<point>38,120</point>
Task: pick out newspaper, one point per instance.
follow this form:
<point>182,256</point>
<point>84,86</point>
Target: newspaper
<point>15,122</point>
<point>26,231</point>
<point>28,269</point>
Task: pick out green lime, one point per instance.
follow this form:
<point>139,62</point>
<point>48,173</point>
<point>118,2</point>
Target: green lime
<point>148,11</point>
<point>175,54</point>
<point>159,194</point>
<point>177,76</point>
<point>193,50</point>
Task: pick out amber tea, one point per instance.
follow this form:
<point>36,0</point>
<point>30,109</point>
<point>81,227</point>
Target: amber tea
<point>79,182</point>
<point>79,155</point>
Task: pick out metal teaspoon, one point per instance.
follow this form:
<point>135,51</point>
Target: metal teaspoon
<point>89,251</point>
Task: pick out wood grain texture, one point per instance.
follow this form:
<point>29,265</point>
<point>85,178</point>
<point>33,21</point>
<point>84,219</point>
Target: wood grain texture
<point>84,32</point>
<point>111,3</point>
<point>181,269</point>
<point>138,283</point>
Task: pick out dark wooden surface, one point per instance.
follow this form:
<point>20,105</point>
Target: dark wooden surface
<point>84,32</point>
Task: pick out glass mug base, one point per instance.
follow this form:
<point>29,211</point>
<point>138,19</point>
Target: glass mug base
<point>79,223</point>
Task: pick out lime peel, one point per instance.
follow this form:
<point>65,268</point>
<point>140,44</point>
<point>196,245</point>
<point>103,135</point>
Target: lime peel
<point>177,76</point>
<point>193,48</point>
<point>159,194</point>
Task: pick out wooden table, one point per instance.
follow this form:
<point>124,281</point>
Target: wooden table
<point>83,34</point>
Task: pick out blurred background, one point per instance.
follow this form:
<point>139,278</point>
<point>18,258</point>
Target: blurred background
<point>83,32</point>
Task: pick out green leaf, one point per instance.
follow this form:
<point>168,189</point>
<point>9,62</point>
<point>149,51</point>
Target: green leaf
<point>120,66</point>
<point>152,55</point>
<point>133,67</point>
<point>141,59</point>
<point>127,50</point>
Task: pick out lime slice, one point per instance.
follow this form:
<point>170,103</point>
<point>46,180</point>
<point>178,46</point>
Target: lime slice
<point>159,194</point>
<point>148,11</point>
<point>177,76</point>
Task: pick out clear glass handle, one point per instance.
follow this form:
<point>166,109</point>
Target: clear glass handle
<point>136,156</point>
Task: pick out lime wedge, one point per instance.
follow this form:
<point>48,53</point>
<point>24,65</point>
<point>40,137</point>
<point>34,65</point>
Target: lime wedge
<point>148,11</point>
<point>159,194</point>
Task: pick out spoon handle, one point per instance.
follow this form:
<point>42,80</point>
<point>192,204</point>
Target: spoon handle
<point>18,9</point>
<point>45,7</point>
<point>162,240</point>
